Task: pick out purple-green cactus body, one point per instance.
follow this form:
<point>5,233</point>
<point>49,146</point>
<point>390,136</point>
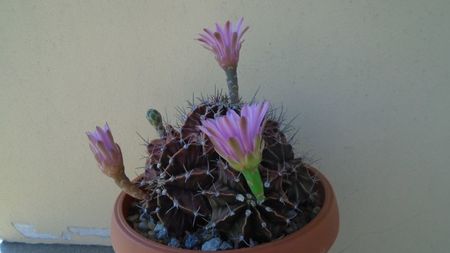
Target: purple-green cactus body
<point>193,188</point>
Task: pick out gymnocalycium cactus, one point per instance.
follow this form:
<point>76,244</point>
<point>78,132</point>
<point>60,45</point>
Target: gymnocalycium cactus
<point>226,173</point>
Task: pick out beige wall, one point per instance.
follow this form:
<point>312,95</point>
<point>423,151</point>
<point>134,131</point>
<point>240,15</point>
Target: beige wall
<point>370,80</point>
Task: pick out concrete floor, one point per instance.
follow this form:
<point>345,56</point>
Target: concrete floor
<point>11,247</point>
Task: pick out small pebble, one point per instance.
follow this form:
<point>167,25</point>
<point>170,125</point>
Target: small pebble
<point>290,229</point>
<point>212,245</point>
<point>151,224</point>
<point>225,246</point>
<point>292,213</point>
<point>145,216</point>
<point>208,234</point>
<point>190,241</point>
<point>133,218</point>
<point>253,243</point>
<point>316,210</point>
<point>143,226</point>
<point>174,243</point>
<point>161,232</point>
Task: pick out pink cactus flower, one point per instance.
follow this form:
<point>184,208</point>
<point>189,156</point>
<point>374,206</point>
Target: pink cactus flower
<point>106,152</point>
<point>225,43</point>
<point>238,139</point>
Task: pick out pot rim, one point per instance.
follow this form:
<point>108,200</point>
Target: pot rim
<point>323,213</point>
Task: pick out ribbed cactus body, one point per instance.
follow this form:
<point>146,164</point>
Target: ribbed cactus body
<point>191,188</point>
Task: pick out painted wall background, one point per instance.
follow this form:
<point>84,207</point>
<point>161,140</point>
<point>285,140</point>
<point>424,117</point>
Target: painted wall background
<point>369,79</point>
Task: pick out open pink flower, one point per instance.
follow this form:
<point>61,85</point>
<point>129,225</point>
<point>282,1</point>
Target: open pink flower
<point>106,152</point>
<point>225,43</point>
<point>238,138</point>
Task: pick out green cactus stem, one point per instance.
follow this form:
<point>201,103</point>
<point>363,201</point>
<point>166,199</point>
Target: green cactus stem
<point>254,182</point>
<point>232,82</point>
<point>155,119</point>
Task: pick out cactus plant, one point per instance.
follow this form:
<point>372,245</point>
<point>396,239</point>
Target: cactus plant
<point>227,171</point>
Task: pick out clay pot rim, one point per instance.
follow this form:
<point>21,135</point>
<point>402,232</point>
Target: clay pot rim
<point>324,212</point>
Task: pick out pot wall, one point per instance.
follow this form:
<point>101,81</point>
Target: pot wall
<point>316,237</point>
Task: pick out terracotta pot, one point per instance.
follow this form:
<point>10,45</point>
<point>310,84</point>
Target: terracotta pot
<point>316,237</point>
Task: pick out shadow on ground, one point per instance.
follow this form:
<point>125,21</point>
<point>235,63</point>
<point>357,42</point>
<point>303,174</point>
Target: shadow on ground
<point>12,247</point>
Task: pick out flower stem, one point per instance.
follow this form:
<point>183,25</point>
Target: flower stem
<point>127,186</point>
<point>232,82</point>
<point>254,182</point>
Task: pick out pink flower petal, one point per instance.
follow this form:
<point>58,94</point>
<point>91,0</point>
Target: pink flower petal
<point>105,150</point>
<point>225,42</point>
<point>237,138</point>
